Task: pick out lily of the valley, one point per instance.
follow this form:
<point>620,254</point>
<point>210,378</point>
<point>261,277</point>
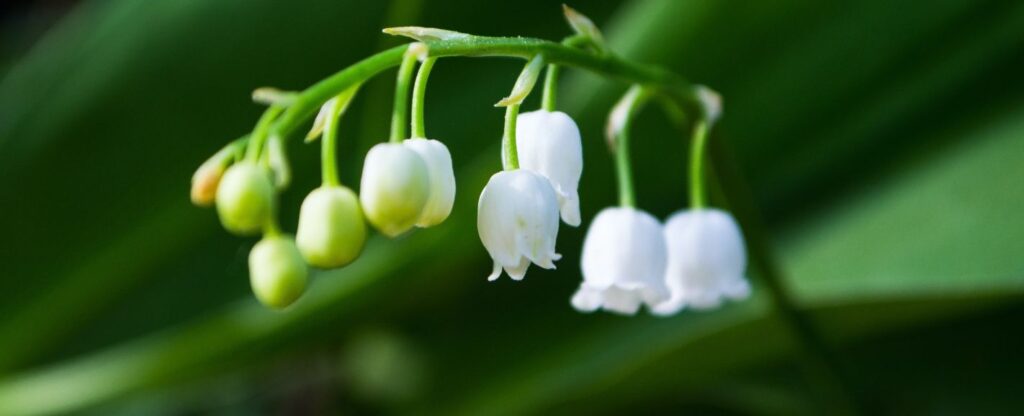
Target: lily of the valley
<point>624,260</point>
<point>394,188</point>
<point>442,180</point>
<point>706,260</point>
<point>331,230</point>
<point>549,143</point>
<point>517,218</point>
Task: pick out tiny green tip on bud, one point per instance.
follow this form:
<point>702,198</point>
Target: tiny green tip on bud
<point>425,34</point>
<point>277,272</point>
<point>245,198</point>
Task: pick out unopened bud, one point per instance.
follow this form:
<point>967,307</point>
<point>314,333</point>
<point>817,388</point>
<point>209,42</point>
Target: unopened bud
<point>395,187</point>
<point>331,227</point>
<point>245,198</point>
<point>205,182</point>
<point>276,271</point>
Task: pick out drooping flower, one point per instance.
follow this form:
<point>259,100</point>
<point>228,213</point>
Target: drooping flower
<point>276,271</point>
<point>706,260</point>
<point>331,230</point>
<point>245,198</point>
<point>394,188</point>
<point>624,259</point>
<point>517,218</point>
<point>548,142</point>
<point>442,180</point>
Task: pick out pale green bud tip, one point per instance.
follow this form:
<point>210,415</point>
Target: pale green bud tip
<point>245,198</point>
<point>205,182</point>
<point>331,229</point>
<point>276,271</point>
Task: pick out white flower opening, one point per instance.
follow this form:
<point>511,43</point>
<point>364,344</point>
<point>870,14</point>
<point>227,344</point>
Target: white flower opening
<point>624,260</point>
<point>517,218</point>
<point>549,143</point>
<point>706,261</point>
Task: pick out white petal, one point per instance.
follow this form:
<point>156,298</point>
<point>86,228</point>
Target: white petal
<point>549,143</point>
<point>495,272</point>
<point>442,180</point>
<point>394,188</point>
<point>587,299</point>
<point>624,257</point>
<point>707,259</point>
<point>518,271</point>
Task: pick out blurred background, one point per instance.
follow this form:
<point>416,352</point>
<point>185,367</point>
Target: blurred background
<point>881,145</point>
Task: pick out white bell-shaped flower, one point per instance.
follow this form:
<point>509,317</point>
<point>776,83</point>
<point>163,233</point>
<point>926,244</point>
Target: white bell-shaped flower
<point>442,180</point>
<point>548,142</point>
<point>624,259</point>
<point>394,188</point>
<point>706,260</point>
<point>517,218</point>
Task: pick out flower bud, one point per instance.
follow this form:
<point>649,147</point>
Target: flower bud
<point>331,229</point>
<point>276,271</point>
<point>245,198</point>
<point>394,189</point>
<point>205,182</point>
<point>442,180</point>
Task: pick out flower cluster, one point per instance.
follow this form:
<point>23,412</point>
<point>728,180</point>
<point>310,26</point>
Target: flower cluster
<point>696,260</point>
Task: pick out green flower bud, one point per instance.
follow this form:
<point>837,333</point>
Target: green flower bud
<point>276,271</point>
<point>331,229</point>
<point>245,198</point>
<point>394,188</point>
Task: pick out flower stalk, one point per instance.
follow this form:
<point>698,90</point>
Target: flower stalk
<point>400,110</point>
<point>419,93</point>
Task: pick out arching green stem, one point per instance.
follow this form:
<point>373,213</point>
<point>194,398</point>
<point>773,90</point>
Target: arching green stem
<point>548,102</point>
<point>401,106</point>
<point>308,101</point>
<point>698,196</point>
<point>419,94</point>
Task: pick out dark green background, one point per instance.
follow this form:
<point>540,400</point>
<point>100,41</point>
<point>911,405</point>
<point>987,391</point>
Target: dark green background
<point>883,142</point>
